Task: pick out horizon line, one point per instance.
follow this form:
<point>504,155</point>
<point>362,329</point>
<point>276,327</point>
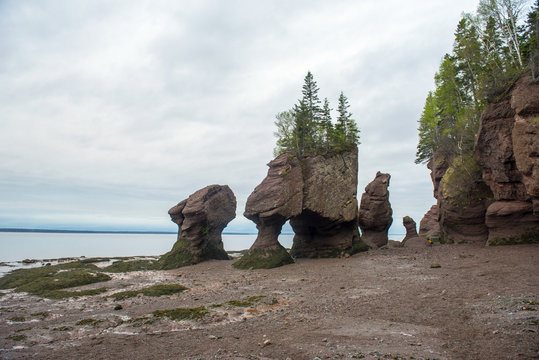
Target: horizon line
<point>69,231</point>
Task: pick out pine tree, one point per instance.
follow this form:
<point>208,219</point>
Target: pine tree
<point>468,58</point>
<point>346,131</point>
<point>307,114</point>
<point>307,129</point>
<point>326,126</point>
<point>530,46</point>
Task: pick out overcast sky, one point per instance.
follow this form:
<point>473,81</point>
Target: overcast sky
<point>111,112</point>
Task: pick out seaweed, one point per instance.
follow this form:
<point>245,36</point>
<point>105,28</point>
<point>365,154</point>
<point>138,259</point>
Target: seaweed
<point>135,265</point>
<point>47,281</point>
<point>196,314</point>
<point>155,290</point>
<point>264,259</point>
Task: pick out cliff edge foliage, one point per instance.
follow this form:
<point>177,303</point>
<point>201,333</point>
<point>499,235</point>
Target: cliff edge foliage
<point>492,48</point>
<point>307,128</point>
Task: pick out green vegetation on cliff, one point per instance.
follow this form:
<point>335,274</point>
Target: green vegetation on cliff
<point>490,51</point>
<point>462,182</point>
<point>307,128</point>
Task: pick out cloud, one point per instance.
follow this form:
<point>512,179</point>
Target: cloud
<point>114,112</point>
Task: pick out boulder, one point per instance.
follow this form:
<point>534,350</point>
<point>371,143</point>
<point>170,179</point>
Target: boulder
<point>201,219</point>
<point>375,214</point>
<point>429,227</point>
<point>411,239</point>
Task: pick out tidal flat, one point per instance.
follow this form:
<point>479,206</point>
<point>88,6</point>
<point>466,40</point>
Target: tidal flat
<point>480,302</point>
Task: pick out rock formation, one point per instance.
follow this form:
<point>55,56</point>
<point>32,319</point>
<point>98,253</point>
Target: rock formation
<point>201,219</point>
<point>493,197</point>
<point>278,198</point>
<point>462,199</point>
<point>507,149</point>
<point>318,195</point>
<point>327,225</point>
<point>429,227</point>
<point>411,239</point>
<point>375,214</point>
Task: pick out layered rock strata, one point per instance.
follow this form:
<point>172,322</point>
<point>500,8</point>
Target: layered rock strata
<point>318,195</point>
<point>375,213</point>
<point>327,225</point>
<point>507,149</point>
<point>201,219</point>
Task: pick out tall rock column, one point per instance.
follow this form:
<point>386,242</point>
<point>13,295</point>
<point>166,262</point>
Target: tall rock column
<point>375,214</point>
<point>201,219</point>
<point>327,225</point>
<point>411,239</point>
<point>278,198</point>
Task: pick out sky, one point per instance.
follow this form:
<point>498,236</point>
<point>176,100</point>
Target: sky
<point>112,112</point>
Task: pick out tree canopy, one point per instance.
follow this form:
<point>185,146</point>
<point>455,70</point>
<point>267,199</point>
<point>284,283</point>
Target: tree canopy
<point>308,129</point>
<point>490,51</point>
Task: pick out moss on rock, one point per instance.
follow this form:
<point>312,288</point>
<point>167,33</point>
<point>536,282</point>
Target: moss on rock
<point>183,313</point>
<point>134,265</point>
<point>181,255</point>
<point>462,182</point>
<point>358,246</point>
<point>264,259</point>
<point>528,237</point>
<point>49,281</point>
<point>247,302</point>
<point>155,291</point>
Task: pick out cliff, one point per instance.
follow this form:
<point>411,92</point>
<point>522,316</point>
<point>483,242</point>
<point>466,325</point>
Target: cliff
<point>492,196</point>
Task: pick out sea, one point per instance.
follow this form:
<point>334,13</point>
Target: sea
<point>18,246</point>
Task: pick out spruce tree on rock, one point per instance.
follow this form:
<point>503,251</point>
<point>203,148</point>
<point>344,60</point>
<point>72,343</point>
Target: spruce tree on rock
<point>308,114</point>
<point>346,131</point>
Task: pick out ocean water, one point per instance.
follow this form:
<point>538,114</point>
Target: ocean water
<point>15,246</point>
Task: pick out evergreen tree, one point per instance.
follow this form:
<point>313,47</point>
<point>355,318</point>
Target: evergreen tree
<point>486,58</point>
<point>346,131</point>
<point>307,114</point>
<point>307,129</point>
<point>506,14</point>
<point>530,46</point>
<point>326,126</point>
<point>468,58</point>
<point>429,131</point>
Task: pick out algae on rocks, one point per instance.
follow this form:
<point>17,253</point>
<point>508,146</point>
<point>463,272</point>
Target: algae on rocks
<point>201,219</point>
<point>50,281</point>
<point>318,194</point>
<point>264,259</point>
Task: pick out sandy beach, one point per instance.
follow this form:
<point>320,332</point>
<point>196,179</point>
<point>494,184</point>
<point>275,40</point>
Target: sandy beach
<point>481,303</point>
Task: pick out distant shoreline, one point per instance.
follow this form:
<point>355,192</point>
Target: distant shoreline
<point>59,231</point>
